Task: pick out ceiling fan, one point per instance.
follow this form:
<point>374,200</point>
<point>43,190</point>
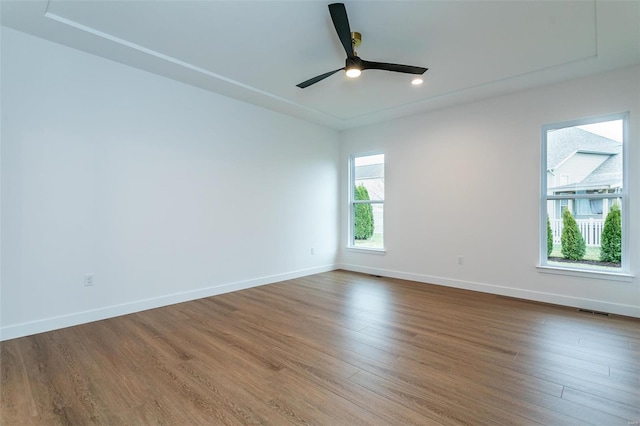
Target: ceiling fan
<point>354,65</point>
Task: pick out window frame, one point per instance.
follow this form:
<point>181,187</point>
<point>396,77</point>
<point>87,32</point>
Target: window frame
<point>352,202</point>
<point>577,269</point>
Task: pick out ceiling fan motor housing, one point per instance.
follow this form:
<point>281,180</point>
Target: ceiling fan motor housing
<point>353,62</point>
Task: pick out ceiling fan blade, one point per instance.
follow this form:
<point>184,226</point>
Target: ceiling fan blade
<point>341,22</point>
<point>407,69</point>
<point>314,80</point>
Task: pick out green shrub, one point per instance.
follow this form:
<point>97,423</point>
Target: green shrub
<point>549,238</point>
<point>611,244</point>
<point>363,215</point>
<point>573,246</point>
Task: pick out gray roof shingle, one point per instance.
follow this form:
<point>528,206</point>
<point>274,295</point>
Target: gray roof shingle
<point>563,143</point>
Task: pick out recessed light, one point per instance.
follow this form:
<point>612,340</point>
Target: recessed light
<point>417,81</point>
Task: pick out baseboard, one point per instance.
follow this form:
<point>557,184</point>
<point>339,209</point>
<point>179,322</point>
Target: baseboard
<point>55,323</point>
<point>556,299</point>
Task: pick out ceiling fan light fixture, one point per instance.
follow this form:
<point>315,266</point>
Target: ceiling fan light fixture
<point>353,64</point>
<point>353,72</point>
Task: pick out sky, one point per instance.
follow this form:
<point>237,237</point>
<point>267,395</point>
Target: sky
<point>608,129</point>
<point>370,159</point>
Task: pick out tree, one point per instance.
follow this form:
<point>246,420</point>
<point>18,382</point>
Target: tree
<point>363,215</point>
<point>611,243</point>
<point>573,246</point>
<point>549,238</point>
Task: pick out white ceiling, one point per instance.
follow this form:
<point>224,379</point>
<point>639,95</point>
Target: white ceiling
<point>257,51</point>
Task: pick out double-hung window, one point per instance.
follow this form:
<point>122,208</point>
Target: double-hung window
<point>366,206</point>
<point>584,195</point>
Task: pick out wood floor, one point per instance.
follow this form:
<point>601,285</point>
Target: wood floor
<point>337,348</point>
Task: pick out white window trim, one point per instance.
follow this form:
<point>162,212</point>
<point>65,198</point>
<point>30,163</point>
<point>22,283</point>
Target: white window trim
<point>368,250</point>
<point>543,266</point>
<point>585,273</point>
<point>350,239</point>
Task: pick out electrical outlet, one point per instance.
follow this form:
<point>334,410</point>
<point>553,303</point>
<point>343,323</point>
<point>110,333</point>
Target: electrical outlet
<point>460,260</point>
<point>313,251</point>
<point>88,280</point>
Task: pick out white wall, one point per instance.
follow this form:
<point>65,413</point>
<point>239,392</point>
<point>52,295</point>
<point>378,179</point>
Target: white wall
<point>465,182</point>
<point>165,192</point>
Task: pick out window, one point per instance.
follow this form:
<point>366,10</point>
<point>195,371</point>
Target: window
<point>584,195</point>
<point>366,194</point>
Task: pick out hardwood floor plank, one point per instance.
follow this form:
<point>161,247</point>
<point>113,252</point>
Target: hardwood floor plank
<point>336,348</point>
<point>433,403</point>
<point>563,363</point>
<point>494,393</point>
<point>628,412</point>
<point>17,407</point>
<point>573,376</point>
<point>387,411</point>
<point>626,374</point>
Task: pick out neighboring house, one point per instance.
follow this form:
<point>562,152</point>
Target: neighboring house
<point>581,162</point>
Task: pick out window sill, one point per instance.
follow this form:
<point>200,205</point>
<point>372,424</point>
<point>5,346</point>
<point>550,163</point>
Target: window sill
<point>584,273</point>
<point>367,250</point>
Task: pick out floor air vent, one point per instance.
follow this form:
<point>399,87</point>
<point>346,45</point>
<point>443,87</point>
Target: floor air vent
<point>589,311</point>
